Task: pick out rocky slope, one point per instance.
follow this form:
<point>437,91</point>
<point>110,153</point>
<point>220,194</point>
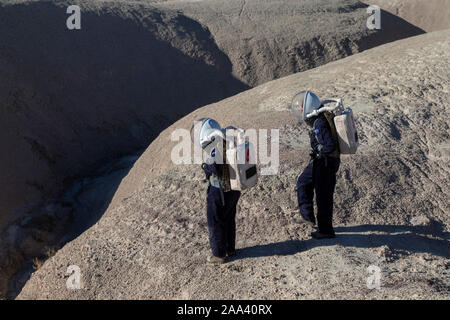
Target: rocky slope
<point>268,39</point>
<point>71,101</point>
<point>391,206</point>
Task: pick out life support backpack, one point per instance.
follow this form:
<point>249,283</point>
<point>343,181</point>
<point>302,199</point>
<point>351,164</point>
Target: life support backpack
<point>342,124</point>
<point>228,147</point>
<point>241,160</point>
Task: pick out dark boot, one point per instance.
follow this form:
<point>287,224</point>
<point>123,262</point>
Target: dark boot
<point>308,219</point>
<point>216,260</point>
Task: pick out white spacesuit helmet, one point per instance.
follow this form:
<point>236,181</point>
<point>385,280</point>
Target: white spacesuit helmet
<point>205,132</point>
<point>304,103</point>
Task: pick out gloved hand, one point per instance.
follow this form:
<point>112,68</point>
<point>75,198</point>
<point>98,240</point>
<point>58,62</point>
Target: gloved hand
<point>210,167</point>
<point>315,155</point>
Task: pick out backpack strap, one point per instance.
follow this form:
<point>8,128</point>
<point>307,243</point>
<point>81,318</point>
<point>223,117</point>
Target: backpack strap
<point>319,147</point>
<point>225,171</point>
<point>329,116</point>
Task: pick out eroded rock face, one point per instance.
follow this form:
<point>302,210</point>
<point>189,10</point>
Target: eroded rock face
<point>73,98</point>
<point>267,39</point>
<point>153,242</point>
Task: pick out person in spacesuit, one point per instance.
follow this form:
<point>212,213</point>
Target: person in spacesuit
<point>221,214</point>
<point>221,201</point>
<point>319,176</point>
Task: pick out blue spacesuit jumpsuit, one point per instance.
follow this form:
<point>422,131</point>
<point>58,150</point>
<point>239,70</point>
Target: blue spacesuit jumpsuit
<point>319,177</point>
<point>221,214</point>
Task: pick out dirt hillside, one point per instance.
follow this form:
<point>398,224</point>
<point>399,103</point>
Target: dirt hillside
<point>391,204</point>
<point>74,101</point>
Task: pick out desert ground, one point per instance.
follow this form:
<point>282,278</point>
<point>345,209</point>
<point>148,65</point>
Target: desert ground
<point>87,118</point>
<point>391,208</point>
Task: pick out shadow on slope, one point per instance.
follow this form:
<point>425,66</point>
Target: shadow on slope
<point>88,198</point>
<point>392,28</point>
<point>400,239</point>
